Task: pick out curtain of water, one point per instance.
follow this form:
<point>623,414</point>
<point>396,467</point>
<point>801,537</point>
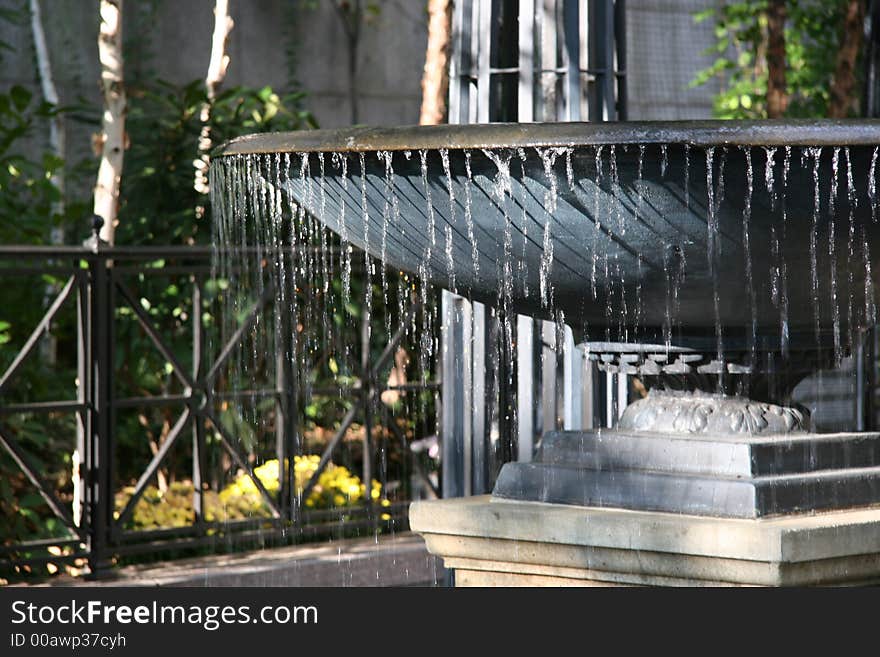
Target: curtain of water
<point>606,247</point>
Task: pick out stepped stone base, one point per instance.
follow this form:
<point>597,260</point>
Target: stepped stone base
<point>493,542</point>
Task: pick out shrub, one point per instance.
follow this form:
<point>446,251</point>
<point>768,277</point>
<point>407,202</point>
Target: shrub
<point>337,488</point>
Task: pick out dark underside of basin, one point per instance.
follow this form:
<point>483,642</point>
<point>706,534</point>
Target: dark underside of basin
<point>644,237</point>
<point>735,477</point>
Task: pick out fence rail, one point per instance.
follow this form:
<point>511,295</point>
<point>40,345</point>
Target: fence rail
<point>96,283</point>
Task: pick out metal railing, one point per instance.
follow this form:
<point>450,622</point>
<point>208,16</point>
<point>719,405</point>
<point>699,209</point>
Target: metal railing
<point>95,281</point>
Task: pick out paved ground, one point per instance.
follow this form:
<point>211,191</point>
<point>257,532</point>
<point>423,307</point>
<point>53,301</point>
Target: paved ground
<point>400,560</point>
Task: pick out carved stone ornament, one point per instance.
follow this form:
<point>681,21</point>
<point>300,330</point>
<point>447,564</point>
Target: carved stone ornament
<point>699,413</point>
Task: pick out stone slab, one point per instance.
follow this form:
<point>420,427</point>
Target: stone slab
<point>389,560</point>
<point>730,497</point>
<point>617,546</point>
<point>741,455</point>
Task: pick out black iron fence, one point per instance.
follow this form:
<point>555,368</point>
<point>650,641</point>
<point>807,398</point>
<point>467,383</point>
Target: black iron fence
<point>101,286</point>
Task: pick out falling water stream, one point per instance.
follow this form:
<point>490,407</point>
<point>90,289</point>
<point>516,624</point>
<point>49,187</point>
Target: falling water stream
<point>603,233</point>
<point>668,244</point>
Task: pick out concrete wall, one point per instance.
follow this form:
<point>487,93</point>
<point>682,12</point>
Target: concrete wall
<point>172,38</point>
<point>665,50</point>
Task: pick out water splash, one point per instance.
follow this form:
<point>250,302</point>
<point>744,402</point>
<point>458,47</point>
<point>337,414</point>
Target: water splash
<point>850,248</point>
<point>450,261</point>
<point>816,154</point>
<point>687,176</point>
<point>340,161</point>
<point>747,254</point>
<point>769,163</point>
<point>429,203</point>
<point>468,216</point>
<point>872,185</point>
<point>368,261</point>
<point>712,250</point>
<point>390,212</point>
<point>548,158</point>
<point>597,221</point>
<point>523,267</point>
<point>784,331</point>
<point>503,192</point>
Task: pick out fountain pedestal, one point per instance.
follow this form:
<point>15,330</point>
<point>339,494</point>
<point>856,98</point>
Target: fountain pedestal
<point>491,542</point>
<point>689,489</point>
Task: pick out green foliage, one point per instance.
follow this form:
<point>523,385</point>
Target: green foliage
<point>158,207</point>
<point>27,192</point>
<point>158,198</point>
<point>337,488</point>
<point>29,208</point>
<point>812,35</point>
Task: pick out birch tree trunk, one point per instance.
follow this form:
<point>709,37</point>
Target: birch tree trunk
<point>48,346</point>
<point>50,95</point>
<point>216,73</point>
<point>435,79</point>
<point>113,121</point>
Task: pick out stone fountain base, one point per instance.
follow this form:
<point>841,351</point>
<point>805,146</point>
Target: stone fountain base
<point>491,542</point>
<point>690,489</point>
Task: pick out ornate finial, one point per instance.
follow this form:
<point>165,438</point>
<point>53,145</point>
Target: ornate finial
<point>95,242</point>
<point>97,224</point>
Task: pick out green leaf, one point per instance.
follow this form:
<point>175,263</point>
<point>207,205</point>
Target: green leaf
<point>21,97</point>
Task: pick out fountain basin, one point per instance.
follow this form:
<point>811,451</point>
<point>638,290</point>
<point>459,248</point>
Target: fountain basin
<point>666,232</point>
<point>668,247</point>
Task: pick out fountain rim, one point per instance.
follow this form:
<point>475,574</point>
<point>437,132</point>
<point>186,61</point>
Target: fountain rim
<point>705,134</point>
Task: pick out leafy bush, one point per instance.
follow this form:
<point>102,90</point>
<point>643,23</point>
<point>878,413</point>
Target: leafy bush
<point>741,28</point>
<point>336,488</point>
<point>158,199</point>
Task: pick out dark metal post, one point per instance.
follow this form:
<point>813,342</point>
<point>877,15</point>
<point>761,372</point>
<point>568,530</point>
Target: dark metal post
<point>98,452</point>
<point>473,398</point>
<point>286,408</point>
<point>198,399</point>
<point>559,371</point>
<point>864,357</point>
<point>367,390</point>
<point>620,45</point>
<point>601,58</point>
<point>83,396</point>
<point>452,426</point>
<point>537,350</point>
<point>505,384</point>
<point>572,40</point>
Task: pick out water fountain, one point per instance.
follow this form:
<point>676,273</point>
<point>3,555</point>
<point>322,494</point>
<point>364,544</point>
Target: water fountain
<point>720,262</point>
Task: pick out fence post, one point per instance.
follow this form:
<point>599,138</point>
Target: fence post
<point>200,463</point>
<point>286,409</point>
<point>98,450</point>
<point>455,426</point>
<point>367,389</point>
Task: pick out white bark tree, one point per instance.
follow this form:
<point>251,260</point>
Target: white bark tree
<point>56,146</point>
<point>50,95</point>
<point>435,78</point>
<point>217,66</point>
<point>112,139</point>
